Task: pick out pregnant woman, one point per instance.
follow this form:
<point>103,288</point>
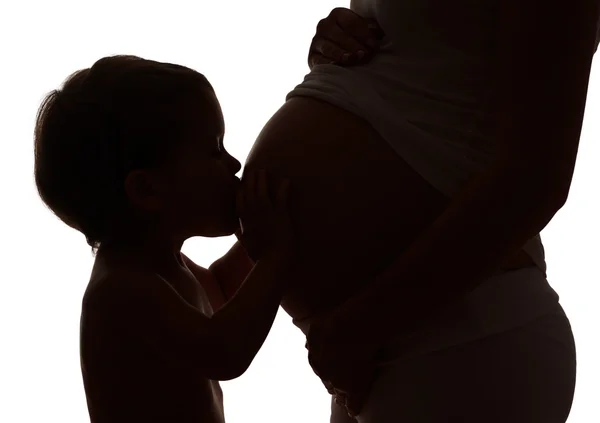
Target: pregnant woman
<point>421,182</point>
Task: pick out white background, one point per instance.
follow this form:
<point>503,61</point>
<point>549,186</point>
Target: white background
<point>253,53</point>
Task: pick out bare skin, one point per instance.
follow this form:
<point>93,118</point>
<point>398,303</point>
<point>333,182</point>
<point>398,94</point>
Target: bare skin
<point>157,333</point>
<point>106,350</point>
<point>352,217</point>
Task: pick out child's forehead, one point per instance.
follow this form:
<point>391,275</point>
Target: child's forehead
<point>209,114</point>
<point>202,118</point>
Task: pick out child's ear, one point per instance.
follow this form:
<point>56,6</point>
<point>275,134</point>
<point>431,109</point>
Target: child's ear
<point>143,190</point>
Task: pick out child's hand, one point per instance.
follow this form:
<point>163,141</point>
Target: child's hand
<point>265,224</point>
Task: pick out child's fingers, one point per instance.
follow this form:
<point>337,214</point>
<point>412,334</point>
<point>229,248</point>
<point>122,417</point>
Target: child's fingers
<point>249,190</point>
<point>240,201</point>
<point>262,190</point>
<point>281,200</point>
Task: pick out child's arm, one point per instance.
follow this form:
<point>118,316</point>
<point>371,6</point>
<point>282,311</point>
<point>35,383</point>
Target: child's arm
<point>247,317</point>
<point>223,346</point>
<point>209,283</point>
<point>224,277</point>
<point>231,270</point>
<point>217,348</point>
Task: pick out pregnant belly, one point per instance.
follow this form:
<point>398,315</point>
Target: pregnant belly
<point>354,202</point>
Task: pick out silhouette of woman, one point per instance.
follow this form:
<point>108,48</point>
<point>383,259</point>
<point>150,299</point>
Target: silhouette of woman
<point>421,182</point>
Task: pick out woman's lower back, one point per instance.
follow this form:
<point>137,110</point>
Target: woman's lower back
<point>355,203</point>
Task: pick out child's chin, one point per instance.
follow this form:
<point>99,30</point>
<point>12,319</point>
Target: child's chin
<point>226,228</point>
<point>233,227</point>
<point>230,231</point>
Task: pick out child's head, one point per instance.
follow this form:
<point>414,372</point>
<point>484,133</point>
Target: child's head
<point>132,146</point>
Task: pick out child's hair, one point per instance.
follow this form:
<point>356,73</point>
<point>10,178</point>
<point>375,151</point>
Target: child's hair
<point>123,113</point>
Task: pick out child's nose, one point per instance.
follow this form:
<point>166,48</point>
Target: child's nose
<point>235,164</point>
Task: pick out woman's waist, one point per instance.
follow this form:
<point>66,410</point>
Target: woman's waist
<point>505,300</point>
<point>317,289</point>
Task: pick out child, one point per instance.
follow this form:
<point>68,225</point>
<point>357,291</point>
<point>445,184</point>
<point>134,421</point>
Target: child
<point>130,152</point>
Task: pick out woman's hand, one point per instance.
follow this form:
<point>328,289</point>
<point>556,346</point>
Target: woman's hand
<point>265,226</point>
<point>343,360</point>
<point>344,38</point>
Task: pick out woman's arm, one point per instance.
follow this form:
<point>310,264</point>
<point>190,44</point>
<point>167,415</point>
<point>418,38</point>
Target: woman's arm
<point>544,54</point>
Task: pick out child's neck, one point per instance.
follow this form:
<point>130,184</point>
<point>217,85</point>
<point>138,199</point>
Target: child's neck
<point>148,250</point>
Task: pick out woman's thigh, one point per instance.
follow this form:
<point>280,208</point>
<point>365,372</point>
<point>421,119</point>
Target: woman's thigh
<point>523,375</point>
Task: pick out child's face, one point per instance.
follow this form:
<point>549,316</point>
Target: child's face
<point>195,194</point>
<point>204,183</point>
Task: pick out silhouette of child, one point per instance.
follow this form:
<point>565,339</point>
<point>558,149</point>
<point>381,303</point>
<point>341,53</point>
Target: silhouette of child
<point>130,153</point>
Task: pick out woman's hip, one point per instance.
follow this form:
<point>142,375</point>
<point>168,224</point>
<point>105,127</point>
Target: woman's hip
<point>525,374</point>
<point>505,301</point>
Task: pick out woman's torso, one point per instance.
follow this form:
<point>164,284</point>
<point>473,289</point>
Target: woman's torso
<point>359,200</point>
<point>355,204</point>
<point>410,128</point>
<point>433,76</point>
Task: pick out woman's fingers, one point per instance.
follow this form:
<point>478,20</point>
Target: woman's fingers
<point>356,26</point>
<point>318,59</point>
<point>354,404</point>
<point>335,40</point>
<point>340,400</point>
<point>351,405</point>
<point>332,52</point>
<point>344,38</point>
<point>324,52</point>
<point>329,386</point>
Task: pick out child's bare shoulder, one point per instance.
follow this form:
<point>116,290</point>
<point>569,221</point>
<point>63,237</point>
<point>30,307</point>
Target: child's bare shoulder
<point>110,286</point>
